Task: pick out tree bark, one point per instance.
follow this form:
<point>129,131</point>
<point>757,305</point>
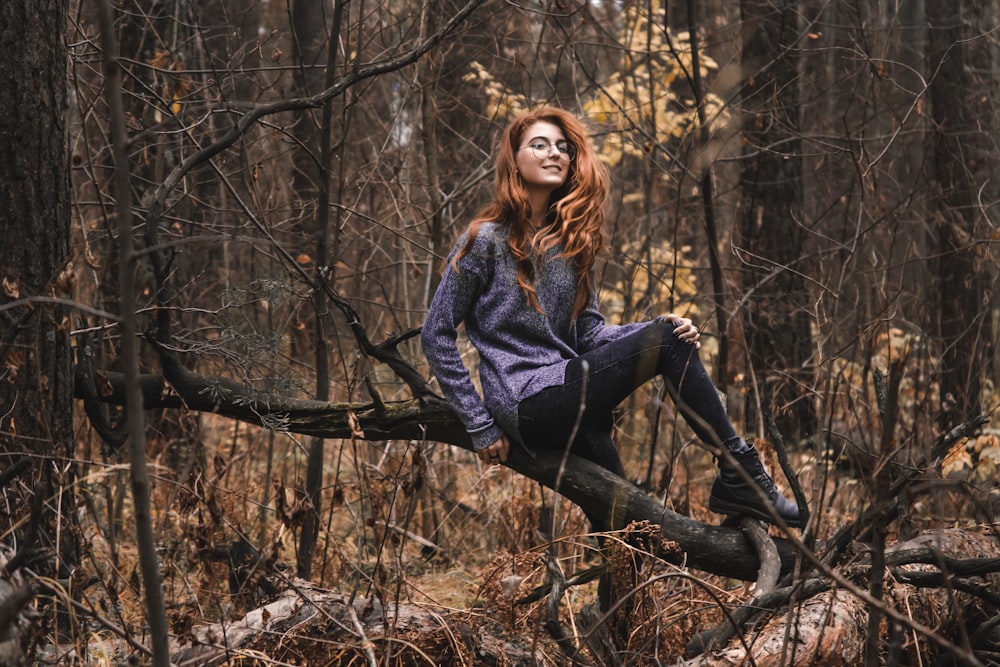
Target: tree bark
<point>962,319</point>
<point>36,372</point>
<point>776,320</point>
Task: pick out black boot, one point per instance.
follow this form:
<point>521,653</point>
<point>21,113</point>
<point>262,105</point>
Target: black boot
<point>731,495</point>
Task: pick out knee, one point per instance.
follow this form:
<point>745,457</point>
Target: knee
<point>659,346</point>
<point>661,333</point>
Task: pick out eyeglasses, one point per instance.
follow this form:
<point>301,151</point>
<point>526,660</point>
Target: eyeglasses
<point>542,148</point>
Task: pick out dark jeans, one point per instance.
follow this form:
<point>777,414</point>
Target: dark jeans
<point>613,371</point>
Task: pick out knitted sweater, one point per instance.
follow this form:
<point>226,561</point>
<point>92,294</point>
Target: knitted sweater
<point>521,350</point>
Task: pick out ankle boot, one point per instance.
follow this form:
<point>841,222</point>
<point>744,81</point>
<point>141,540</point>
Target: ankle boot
<point>731,495</point>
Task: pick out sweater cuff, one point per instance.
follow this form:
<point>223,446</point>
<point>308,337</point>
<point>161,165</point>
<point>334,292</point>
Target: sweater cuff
<point>485,436</point>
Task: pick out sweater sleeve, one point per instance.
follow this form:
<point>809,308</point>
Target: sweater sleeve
<point>593,330</point>
<point>455,296</point>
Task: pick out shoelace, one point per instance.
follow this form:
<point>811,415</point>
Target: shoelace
<point>762,479</point>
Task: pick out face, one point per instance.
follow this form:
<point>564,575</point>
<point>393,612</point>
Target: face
<point>539,161</point>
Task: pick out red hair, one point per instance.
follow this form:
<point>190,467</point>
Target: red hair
<point>575,209</point>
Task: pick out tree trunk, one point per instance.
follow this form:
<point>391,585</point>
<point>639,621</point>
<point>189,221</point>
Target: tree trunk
<point>36,372</point>
<point>776,319</point>
<point>962,319</point>
<point>311,35</point>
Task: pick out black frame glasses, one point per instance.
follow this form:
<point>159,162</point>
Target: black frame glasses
<point>542,148</point>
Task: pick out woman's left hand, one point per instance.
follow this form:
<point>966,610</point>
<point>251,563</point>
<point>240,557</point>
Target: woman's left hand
<point>685,330</point>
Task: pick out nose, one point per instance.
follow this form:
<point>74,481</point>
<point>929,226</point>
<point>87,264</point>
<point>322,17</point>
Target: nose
<point>559,155</point>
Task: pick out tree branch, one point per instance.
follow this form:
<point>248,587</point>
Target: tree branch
<point>157,200</point>
<point>716,549</point>
<point>717,637</point>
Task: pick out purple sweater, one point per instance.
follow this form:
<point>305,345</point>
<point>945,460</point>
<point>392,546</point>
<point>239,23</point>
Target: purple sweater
<point>521,350</point>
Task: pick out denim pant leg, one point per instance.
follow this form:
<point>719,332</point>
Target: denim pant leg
<point>615,370</point>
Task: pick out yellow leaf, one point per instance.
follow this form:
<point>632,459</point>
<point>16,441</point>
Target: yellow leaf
<point>992,454</point>
<point>958,458</point>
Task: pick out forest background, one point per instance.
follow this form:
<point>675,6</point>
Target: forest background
<point>236,211</point>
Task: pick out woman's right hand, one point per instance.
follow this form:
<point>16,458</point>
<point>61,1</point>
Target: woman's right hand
<point>685,329</point>
<point>495,453</point>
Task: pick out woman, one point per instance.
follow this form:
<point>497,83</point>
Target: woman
<point>521,279</point>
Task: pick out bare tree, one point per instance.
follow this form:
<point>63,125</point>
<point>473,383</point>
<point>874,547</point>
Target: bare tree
<point>963,321</point>
<point>772,241</point>
<point>37,472</point>
<point>289,229</point>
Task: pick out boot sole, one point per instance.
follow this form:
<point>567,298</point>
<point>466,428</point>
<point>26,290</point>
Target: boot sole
<point>734,509</point>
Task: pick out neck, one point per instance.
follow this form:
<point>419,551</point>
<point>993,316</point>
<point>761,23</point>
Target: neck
<point>538,200</point>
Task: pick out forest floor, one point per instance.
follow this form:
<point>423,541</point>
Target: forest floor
<point>424,526</point>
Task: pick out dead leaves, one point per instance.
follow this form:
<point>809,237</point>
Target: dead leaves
<point>10,288</point>
<point>291,505</point>
<point>977,457</point>
<point>12,362</point>
<point>355,425</point>
<point>175,87</point>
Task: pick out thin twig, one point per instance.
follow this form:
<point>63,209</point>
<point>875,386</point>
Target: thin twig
<point>366,644</point>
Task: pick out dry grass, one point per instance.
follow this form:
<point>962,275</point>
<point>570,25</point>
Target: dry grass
<point>413,523</point>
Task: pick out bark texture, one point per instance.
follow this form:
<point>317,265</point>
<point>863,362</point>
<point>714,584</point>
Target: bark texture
<point>830,628</point>
<point>36,276</point>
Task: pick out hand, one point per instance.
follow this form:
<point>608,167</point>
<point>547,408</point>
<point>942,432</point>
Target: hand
<point>495,453</point>
<point>685,330</point>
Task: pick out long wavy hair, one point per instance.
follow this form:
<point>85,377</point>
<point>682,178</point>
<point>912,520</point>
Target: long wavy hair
<point>575,213</point>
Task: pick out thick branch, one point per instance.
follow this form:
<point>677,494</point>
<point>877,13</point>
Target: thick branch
<point>714,549</point>
<point>715,638</point>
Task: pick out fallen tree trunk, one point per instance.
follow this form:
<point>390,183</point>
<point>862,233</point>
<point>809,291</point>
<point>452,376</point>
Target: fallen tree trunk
<point>830,627</point>
<point>715,549</point>
<point>826,627</point>
<point>312,626</point>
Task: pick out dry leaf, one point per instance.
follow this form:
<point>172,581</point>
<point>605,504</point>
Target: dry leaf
<point>11,289</point>
<point>355,425</point>
<point>65,282</point>
<point>957,458</point>
<point>12,361</point>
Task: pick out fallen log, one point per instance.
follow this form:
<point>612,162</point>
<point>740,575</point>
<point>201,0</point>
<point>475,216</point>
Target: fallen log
<point>825,627</point>
<point>830,628</point>
<point>318,627</point>
<point>714,549</point>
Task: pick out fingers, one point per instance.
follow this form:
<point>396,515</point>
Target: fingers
<point>495,453</point>
<point>685,329</point>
